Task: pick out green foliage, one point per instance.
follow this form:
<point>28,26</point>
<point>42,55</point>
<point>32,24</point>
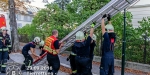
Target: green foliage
<point>62,3</point>
<point>134,39</point>
<point>46,20</point>
<point>76,12</point>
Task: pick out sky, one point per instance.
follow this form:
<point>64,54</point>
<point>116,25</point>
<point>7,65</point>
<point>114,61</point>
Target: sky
<point>38,3</point>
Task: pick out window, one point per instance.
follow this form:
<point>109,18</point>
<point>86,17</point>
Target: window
<point>19,25</point>
<point>18,17</point>
<point>28,18</point>
<point>31,18</point>
<point>25,18</point>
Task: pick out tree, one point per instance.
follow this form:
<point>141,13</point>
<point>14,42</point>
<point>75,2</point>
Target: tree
<point>76,12</point>
<point>48,19</point>
<point>10,5</point>
<point>13,25</point>
<point>62,3</point>
<point>4,5</point>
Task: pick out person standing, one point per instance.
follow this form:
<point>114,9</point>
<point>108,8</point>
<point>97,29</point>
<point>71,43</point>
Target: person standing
<point>107,60</point>
<point>82,48</point>
<point>52,47</point>
<point>72,61</point>
<point>5,48</point>
<point>92,46</point>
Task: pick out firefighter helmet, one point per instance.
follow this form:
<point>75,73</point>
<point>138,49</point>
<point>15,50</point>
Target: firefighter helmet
<point>37,40</point>
<point>80,35</point>
<point>41,43</point>
<point>94,37</point>
<point>109,28</point>
<point>3,28</point>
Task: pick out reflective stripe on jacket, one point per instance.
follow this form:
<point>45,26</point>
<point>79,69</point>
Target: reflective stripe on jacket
<point>49,45</point>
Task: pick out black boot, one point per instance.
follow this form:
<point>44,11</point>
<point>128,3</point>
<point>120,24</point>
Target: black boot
<point>3,71</point>
<point>73,74</point>
<point>23,67</point>
<point>0,68</point>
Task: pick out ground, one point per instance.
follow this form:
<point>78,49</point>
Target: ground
<point>65,68</point>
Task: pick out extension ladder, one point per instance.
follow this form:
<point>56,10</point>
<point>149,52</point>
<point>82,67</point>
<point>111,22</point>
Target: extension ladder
<point>112,8</point>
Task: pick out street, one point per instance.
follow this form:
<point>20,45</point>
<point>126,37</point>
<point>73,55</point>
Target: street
<point>63,62</point>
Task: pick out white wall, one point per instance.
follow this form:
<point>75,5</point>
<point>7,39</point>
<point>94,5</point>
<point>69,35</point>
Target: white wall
<point>138,13</point>
<point>23,20</point>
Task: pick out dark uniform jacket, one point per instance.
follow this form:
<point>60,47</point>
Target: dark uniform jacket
<point>5,42</point>
<point>107,47</point>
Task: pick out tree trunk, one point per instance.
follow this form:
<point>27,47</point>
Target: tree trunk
<point>13,25</point>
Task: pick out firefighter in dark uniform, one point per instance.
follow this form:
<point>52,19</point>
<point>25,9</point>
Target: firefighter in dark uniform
<point>92,46</point>
<point>5,47</point>
<point>52,47</point>
<point>72,61</point>
<point>82,48</point>
<point>107,60</point>
<point>28,59</point>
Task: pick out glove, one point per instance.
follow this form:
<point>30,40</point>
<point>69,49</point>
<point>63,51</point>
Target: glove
<point>67,59</point>
<point>104,16</point>
<point>9,51</point>
<point>108,17</point>
<point>93,24</point>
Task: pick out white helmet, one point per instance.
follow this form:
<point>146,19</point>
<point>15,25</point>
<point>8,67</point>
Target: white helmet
<point>3,28</point>
<point>94,37</point>
<point>41,43</point>
<point>109,27</point>
<point>80,35</point>
<point>37,39</point>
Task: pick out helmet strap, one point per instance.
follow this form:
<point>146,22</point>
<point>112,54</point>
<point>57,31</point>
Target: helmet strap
<point>79,40</point>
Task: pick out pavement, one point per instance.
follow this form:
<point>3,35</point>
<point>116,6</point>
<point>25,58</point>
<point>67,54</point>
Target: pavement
<point>95,68</point>
<point>37,71</point>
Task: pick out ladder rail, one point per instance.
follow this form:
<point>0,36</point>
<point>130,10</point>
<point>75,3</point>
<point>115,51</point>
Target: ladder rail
<point>112,8</point>
<point>89,19</point>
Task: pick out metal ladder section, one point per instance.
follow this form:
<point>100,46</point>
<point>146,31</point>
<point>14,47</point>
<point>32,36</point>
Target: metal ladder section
<point>112,8</point>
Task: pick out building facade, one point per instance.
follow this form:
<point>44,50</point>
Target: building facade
<point>139,12</point>
<point>23,17</point>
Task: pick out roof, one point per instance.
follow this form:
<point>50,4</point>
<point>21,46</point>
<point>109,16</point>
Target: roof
<point>21,7</point>
<point>27,9</point>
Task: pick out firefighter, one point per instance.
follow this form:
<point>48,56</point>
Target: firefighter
<point>52,47</point>
<point>92,46</point>
<point>107,60</point>
<point>5,48</point>
<point>82,48</point>
<point>72,61</point>
<point>28,59</point>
